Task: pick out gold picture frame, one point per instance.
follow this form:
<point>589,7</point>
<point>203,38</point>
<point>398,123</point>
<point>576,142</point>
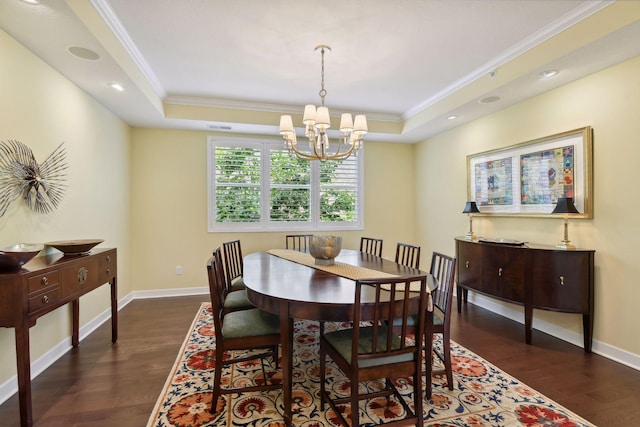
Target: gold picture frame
<point>526,179</point>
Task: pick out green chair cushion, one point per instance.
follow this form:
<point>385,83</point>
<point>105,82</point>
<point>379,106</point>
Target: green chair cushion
<point>238,284</point>
<point>341,341</point>
<point>438,317</point>
<point>250,323</point>
<point>237,300</point>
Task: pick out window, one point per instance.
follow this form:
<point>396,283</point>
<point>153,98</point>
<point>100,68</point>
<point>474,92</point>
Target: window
<point>257,186</point>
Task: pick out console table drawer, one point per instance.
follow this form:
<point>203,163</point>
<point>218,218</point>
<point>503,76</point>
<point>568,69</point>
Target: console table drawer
<point>108,266</point>
<point>45,300</point>
<point>42,281</point>
<point>80,277</point>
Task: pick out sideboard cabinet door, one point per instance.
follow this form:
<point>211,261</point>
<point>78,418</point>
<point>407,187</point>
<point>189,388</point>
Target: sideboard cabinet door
<point>469,264</point>
<point>503,272</point>
<point>562,280</point>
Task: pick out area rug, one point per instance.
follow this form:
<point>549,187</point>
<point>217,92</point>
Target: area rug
<point>483,395</point>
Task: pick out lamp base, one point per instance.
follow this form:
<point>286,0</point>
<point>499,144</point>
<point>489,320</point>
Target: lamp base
<point>565,245</point>
<point>470,236</point>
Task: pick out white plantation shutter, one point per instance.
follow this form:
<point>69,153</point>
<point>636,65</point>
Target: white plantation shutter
<point>257,185</point>
<point>290,188</point>
<point>339,191</point>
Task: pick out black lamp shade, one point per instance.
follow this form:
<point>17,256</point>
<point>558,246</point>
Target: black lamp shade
<point>471,207</point>
<point>565,205</point>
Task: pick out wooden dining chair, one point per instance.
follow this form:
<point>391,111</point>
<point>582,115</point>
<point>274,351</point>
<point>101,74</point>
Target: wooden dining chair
<point>370,349</point>
<point>371,246</point>
<point>408,255</point>
<point>443,269</point>
<point>297,242</point>
<point>237,333</point>
<point>235,294</point>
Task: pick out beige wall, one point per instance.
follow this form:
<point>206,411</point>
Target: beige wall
<point>609,101</point>
<point>41,109</point>
<point>170,207</point>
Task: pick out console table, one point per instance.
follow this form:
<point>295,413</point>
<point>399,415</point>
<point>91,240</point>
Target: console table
<point>44,284</point>
<point>532,275</point>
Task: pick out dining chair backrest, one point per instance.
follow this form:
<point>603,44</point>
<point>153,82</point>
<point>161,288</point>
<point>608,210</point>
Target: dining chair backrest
<point>443,269</point>
<point>391,304</point>
<point>233,264</point>
<point>217,288</point>
<point>298,242</point>
<point>371,245</point>
<point>408,255</point>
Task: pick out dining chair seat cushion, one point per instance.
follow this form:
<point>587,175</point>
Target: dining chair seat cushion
<point>250,323</point>
<point>438,319</point>
<point>238,284</point>
<point>341,341</point>
<point>237,300</point>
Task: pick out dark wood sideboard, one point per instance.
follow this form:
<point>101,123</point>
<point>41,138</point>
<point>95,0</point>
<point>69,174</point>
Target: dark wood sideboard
<point>44,284</point>
<point>532,275</point>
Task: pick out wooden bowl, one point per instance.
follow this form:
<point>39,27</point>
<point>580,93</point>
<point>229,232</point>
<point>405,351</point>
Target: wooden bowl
<point>74,247</point>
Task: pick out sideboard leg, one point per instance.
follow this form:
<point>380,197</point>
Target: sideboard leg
<point>587,330</point>
<point>528,322</point>
<point>24,373</point>
<point>75,328</point>
<point>114,310</point>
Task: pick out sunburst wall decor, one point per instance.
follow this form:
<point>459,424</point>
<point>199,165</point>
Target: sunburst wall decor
<point>40,185</point>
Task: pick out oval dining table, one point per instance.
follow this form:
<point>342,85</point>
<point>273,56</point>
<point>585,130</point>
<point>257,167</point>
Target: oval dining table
<point>297,291</point>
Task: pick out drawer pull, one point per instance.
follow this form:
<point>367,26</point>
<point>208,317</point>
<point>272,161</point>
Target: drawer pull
<point>562,280</point>
<point>82,275</point>
<point>108,271</point>
<point>500,271</point>
<point>466,264</point>
<point>108,258</point>
<point>45,299</point>
<point>44,281</point>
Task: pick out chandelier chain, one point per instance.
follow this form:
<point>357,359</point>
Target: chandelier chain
<point>323,91</point>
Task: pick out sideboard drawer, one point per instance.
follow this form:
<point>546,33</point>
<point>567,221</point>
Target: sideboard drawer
<point>80,277</point>
<point>108,266</point>
<point>42,281</point>
<point>47,299</point>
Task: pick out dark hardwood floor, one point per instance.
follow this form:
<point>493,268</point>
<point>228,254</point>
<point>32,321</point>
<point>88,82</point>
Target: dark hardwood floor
<point>104,384</point>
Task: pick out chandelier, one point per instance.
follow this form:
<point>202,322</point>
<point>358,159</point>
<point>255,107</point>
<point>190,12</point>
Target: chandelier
<point>317,123</point>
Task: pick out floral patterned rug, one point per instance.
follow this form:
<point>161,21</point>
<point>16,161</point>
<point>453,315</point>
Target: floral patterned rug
<point>483,395</point>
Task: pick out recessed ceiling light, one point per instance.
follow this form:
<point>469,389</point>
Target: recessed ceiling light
<point>547,73</point>
<point>83,53</point>
<point>452,117</point>
<point>116,86</point>
<point>33,2</point>
<point>489,99</point>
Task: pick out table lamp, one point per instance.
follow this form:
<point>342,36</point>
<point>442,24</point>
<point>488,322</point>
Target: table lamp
<point>565,206</point>
<point>470,208</point>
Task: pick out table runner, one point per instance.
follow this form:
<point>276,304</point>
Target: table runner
<point>341,269</point>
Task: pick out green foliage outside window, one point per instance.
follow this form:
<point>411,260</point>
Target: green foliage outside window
<point>238,188</point>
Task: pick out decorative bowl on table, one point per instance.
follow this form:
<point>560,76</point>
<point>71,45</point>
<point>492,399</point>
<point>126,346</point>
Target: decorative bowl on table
<point>74,247</point>
<point>12,258</point>
<point>325,249</point>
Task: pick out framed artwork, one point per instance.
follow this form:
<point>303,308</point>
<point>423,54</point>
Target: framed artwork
<point>527,179</point>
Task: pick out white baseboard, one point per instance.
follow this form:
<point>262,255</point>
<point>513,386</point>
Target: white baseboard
<point>510,311</point>
<point>516,313</point>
